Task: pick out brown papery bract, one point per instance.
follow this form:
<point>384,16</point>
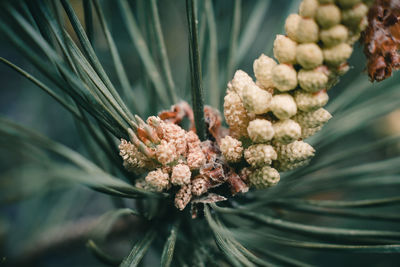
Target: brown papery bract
<point>382,39</point>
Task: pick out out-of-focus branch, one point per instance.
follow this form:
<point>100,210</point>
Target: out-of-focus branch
<point>66,235</point>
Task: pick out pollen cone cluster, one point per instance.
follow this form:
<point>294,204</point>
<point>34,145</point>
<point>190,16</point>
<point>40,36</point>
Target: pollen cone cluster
<point>168,153</point>
<point>268,117</point>
<point>273,114</point>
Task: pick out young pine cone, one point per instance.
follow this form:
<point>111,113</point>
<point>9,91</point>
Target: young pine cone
<point>157,180</point>
<point>231,148</point>
<point>312,119</point>
<point>180,174</point>
<point>235,114</point>
<point>293,155</point>
<point>264,177</point>
<point>260,155</point>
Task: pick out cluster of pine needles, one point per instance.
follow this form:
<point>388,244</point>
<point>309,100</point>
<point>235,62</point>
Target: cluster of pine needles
<point>109,62</point>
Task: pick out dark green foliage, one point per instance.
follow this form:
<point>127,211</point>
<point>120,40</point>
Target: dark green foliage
<point>111,64</point>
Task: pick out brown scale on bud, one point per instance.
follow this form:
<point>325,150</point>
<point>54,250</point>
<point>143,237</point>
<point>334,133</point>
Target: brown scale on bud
<point>214,171</point>
<point>237,185</point>
<point>177,112</point>
<point>382,39</point>
<point>213,120</point>
<point>210,150</point>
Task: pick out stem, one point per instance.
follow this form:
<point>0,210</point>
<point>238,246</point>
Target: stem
<point>195,70</point>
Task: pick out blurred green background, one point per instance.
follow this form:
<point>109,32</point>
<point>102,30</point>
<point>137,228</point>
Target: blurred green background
<point>38,215</point>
